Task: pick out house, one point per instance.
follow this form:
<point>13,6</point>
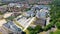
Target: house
<point>9,1</point>
<point>15,7</point>
<point>39,7</point>
<point>38,1</point>
<point>11,4</point>
<point>15,4</point>
<point>3,9</point>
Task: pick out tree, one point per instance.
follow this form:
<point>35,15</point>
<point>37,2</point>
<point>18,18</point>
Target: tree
<point>58,25</point>
<point>55,13</point>
<point>47,27</point>
<point>38,28</point>
<point>30,28</point>
<point>10,18</point>
<point>56,2</point>
<point>32,32</point>
<point>35,30</point>
<point>51,32</point>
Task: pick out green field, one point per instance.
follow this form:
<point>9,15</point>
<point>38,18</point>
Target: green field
<point>56,32</point>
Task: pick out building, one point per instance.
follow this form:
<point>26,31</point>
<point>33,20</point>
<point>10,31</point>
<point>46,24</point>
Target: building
<point>30,13</point>
<point>29,1</point>
<point>42,18</point>
<point>10,26</point>
<point>40,22</point>
<point>6,15</point>
<point>2,30</point>
<point>2,21</point>
<point>38,1</point>
<point>3,9</point>
<point>24,21</point>
<point>15,7</point>
<point>42,13</point>
<point>45,1</point>
<point>8,1</point>
<point>15,4</point>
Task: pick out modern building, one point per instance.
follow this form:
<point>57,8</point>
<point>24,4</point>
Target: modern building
<point>2,21</point>
<point>24,21</point>
<point>42,13</point>
<point>6,15</point>
<point>10,26</point>
<point>40,22</point>
<point>30,13</point>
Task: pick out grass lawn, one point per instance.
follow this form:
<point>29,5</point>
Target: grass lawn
<point>56,32</point>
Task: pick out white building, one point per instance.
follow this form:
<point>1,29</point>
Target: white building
<point>3,21</point>
<point>15,4</point>
<point>24,21</point>
<point>6,15</point>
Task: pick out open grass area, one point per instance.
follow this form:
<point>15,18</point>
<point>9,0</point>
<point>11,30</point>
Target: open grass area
<point>56,32</point>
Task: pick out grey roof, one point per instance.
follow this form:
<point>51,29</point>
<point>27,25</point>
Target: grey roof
<point>41,7</point>
<point>31,13</point>
<point>12,26</point>
<point>41,14</point>
<point>40,22</point>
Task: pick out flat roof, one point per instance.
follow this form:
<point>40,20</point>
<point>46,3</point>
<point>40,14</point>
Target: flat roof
<point>11,26</point>
<point>3,21</point>
<point>23,21</point>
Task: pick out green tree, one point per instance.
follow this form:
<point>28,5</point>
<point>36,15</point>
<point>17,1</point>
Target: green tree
<point>38,28</point>
<point>55,13</point>
<point>34,30</point>
<point>58,25</point>
<point>10,18</point>
<point>56,2</point>
<point>47,27</point>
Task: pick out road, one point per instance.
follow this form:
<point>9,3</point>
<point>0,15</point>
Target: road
<point>29,23</point>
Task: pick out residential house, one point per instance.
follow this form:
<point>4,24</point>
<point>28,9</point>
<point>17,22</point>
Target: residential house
<point>39,1</point>
<point>15,7</point>
<point>3,9</point>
